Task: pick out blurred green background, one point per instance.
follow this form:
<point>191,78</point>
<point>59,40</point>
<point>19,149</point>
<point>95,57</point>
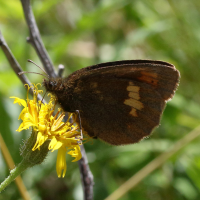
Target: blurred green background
<point>79,33</point>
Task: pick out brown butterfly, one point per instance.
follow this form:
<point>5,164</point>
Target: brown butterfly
<point>119,102</point>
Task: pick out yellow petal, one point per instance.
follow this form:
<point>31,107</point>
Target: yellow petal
<point>26,116</point>
<point>55,144</point>
<point>40,140</point>
<point>23,112</point>
<point>76,153</point>
<point>19,101</point>
<point>70,142</point>
<point>61,166</point>
<point>33,110</point>
<point>58,122</point>
<point>24,126</point>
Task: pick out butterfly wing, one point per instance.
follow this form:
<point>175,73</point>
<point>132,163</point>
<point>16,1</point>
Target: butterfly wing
<point>122,102</point>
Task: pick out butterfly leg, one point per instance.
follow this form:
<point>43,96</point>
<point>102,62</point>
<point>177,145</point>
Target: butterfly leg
<point>79,117</point>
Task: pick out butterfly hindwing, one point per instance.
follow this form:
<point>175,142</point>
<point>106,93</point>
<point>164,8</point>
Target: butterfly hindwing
<point>117,110</point>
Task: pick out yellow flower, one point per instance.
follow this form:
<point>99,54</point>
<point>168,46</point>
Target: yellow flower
<point>62,136</point>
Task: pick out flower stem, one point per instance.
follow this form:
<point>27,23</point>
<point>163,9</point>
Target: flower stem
<point>13,174</point>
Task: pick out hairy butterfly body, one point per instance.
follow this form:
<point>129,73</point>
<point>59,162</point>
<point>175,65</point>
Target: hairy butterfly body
<point>119,102</point>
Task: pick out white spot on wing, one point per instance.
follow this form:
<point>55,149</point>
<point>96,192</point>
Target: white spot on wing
<point>133,112</point>
<point>132,88</point>
<point>133,101</point>
<point>134,95</point>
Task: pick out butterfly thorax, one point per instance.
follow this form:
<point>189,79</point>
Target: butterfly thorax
<point>62,90</point>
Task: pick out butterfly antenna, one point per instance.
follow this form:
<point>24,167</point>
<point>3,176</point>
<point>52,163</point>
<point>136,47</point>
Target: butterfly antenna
<point>38,67</point>
<point>20,73</point>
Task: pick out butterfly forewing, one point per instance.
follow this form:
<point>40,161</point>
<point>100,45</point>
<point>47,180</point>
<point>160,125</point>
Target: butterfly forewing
<point>119,102</point>
<point>162,76</point>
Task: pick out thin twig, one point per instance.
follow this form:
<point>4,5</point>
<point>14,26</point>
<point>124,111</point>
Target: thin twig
<point>153,165</point>
<point>60,70</point>
<point>86,176</point>
<point>14,64</point>
<point>35,38</point>
<point>11,59</point>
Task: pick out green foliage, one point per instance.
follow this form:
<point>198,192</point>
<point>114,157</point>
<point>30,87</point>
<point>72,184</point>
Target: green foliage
<point>85,32</point>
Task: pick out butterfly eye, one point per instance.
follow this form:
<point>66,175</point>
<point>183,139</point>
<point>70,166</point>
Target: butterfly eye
<point>52,84</point>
